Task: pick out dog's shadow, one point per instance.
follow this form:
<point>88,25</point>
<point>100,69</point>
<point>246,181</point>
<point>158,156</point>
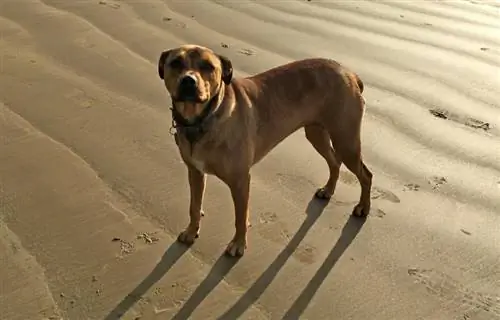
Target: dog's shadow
<point>349,232</point>
<point>224,265</point>
<point>169,259</point>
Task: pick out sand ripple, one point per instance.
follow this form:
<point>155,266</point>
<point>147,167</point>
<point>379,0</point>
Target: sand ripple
<point>92,190</point>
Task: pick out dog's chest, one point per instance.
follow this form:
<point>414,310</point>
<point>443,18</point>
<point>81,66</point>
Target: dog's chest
<point>198,164</point>
<point>194,156</point>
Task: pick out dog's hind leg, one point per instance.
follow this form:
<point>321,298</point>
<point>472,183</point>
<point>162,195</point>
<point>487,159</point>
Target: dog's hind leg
<point>320,139</point>
<point>351,157</point>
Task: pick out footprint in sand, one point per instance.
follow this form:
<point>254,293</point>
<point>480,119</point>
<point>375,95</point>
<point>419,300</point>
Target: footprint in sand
<point>148,238</point>
<point>379,193</point>
<point>379,213</point>
<point>453,291</point>
<point>477,124</point>
<point>461,119</point>
<point>268,217</point>
<point>411,187</point>
<point>348,178</point>
<point>109,4</point>
<point>436,182</point>
<point>247,52</point>
<point>305,254</point>
<point>271,228</point>
<point>181,25</point>
<point>275,233</point>
<point>126,247</point>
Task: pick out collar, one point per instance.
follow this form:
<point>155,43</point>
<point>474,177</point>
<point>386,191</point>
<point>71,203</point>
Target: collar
<point>195,130</point>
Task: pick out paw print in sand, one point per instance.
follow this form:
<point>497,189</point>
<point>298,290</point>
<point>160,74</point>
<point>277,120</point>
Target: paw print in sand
<point>437,181</point>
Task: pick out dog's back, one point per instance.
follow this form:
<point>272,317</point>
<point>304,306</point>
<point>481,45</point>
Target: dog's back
<point>305,91</point>
<point>296,82</point>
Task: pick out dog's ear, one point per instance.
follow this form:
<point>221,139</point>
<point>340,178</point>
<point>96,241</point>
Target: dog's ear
<point>161,62</point>
<point>227,69</point>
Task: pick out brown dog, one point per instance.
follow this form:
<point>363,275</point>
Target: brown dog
<point>224,126</point>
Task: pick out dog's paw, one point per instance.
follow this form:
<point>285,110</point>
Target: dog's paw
<point>236,248</point>
<point>323,194</point>
<point>188,236</point>
<point>361,210</point>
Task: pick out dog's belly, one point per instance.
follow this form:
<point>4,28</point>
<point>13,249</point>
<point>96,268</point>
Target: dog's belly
<point>273,136</point>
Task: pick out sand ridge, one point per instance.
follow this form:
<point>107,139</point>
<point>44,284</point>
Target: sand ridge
<point>93,191</point>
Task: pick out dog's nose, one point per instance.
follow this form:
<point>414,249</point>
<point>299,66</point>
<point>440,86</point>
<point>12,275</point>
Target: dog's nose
<point>188,82</point>
<point>187,88</point>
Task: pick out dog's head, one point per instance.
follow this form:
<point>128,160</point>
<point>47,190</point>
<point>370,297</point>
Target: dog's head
<point>193,75</point>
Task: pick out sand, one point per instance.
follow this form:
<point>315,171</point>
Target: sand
<point>93,191</point>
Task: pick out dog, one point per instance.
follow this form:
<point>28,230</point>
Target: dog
<point>224,125</point>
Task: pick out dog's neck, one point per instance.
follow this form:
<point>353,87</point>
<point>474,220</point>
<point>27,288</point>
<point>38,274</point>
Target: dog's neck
<point>196,129</point>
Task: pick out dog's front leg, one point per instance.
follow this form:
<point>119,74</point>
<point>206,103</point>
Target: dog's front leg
<point>240,192</point>
<point>197,181</point>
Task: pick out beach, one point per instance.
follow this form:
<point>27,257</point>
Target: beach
<point>93,191</point>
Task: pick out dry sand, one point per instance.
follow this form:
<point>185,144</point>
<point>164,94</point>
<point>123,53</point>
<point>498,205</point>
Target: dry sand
<point>93,191</point>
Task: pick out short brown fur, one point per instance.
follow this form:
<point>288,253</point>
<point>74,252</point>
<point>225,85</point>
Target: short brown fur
<point>255,114</point>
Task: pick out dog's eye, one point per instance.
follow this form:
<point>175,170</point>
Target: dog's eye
<point>176,64</point>
<point>206,66</point>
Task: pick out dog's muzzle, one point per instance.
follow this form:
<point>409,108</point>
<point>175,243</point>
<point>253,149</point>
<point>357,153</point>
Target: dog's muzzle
<point>188,89</point>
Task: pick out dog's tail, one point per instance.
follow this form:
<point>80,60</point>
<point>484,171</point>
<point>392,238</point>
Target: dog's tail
<point>360,83</point>
<point>361,87</point>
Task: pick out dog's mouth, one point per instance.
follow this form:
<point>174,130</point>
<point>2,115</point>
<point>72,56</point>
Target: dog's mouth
<point>188,108</point>
<point>192,98</point>
<point>189,94</point>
